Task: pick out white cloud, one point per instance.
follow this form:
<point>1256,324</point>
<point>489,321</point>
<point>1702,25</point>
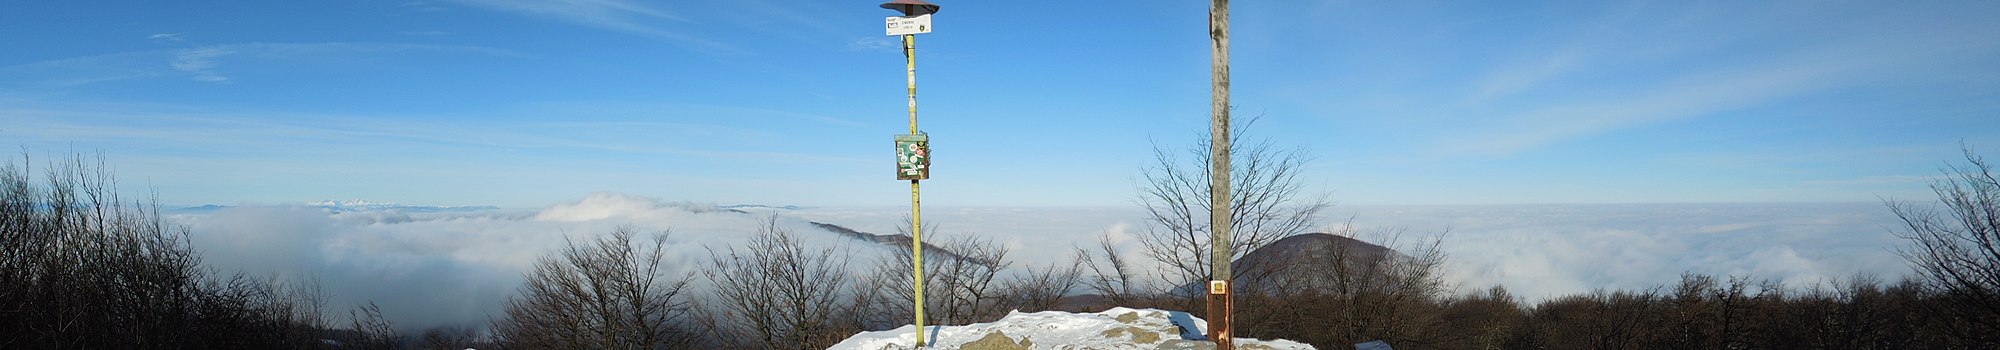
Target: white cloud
<point>452,268</point>
<point>600,206</point>
<point>201,62</point>
<point>875,44</point>
<point>167,38</point>
<point>1540,251</point>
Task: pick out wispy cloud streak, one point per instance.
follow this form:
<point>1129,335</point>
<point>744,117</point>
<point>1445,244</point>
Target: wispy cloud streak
<point>616,15</point>
<point>1602,84</point>
<point>200,62</point>
<point>205,63</point>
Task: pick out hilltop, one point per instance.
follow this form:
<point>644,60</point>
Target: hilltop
<point>1117,328</point>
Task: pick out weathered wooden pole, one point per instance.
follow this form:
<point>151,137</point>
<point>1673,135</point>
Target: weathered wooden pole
<point>1219,309</point>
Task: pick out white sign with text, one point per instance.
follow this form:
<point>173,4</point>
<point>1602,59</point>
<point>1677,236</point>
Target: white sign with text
<point>906,25</point>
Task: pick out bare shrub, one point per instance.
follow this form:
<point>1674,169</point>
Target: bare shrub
<point>777,293</point>
<point>1043,288</point>
<point>607,293</point>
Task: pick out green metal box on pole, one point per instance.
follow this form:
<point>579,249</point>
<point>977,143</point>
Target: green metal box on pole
<point>913,157</point>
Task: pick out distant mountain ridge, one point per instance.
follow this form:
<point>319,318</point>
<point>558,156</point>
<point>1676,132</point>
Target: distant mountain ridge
<point>1310,247</point>
<point>886,240</point>
<point>363,205</point>
<point>1297,258</point>
<point>739,207</point>
<point>353,205</point>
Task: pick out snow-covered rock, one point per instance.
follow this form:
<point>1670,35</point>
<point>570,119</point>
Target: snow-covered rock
<point>1117,328</point>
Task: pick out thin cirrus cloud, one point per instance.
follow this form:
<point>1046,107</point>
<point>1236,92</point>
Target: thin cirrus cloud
<point>615,15</point>
<point>200,62</point>
<point>213,152</point>
<point>170,38</point>
<point>206,129</point>
<point>1556,76</point>
<point>540,125</point>
<point>208,63</point>
<point>86,70</point>
<point>1698,97</point>
<point>1703,93</point>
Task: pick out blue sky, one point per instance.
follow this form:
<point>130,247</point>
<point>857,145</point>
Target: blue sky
<point>527,103</point>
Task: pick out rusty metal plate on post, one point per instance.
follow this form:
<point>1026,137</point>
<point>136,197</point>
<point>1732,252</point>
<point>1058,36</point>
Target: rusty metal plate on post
<point>913,157</point>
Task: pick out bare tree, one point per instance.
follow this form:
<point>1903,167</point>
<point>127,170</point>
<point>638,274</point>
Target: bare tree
<point>962,281</point>
<point>778,293</point>
<point>1394,297</point>
<point>1042,289</point>
<point>1339,290</point>
<point>449,338</point>
<point>1957,249</point>
<point>607,293</point>
<point>889,280</point>
<point>369,330</point>
<point>967,279</point>
<point>1110,275</point>
<point>1267,203</point>
<point>82,269</point>
<point>966,287</point>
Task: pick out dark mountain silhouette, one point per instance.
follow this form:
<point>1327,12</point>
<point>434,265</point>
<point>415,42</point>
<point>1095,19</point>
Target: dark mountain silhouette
<point>902,241</point>
<point>1296,258</point>
<point>1314,260</point>
<point>1307,249</point>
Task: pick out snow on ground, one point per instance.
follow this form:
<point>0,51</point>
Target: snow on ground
<point>1117,328</point>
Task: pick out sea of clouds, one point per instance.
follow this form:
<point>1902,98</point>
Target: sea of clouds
<point>428,267</point>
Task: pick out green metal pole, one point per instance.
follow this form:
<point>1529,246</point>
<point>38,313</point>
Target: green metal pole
<point>916,198</point>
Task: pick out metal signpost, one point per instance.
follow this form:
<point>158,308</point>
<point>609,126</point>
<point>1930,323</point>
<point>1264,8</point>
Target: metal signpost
<point>913,153</point>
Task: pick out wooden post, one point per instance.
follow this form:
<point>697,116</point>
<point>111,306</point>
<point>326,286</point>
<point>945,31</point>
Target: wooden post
<point>1219,310</point>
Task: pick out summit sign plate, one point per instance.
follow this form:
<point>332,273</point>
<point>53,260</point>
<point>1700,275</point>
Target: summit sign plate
<point>907,25</point>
